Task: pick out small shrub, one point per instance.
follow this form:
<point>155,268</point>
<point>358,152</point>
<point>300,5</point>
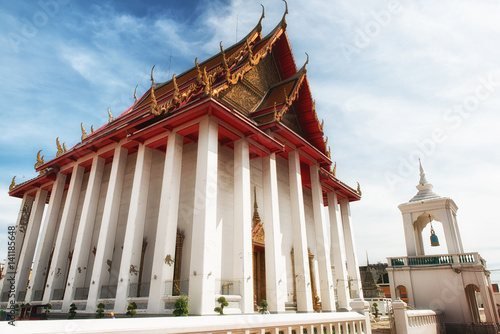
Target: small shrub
<point>375,310</point>
<point>181,306</point>
<point>100,310</point>
<point>72,311</point>
<point>131,309</point>
<point>263,306</point>
<point>223,303</point>
<point>47,307</point>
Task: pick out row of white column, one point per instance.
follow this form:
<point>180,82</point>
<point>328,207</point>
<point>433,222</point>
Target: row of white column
<point>340,251</point>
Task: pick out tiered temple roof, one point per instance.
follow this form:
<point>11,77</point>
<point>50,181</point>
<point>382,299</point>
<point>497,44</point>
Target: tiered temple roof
<point>253,85</point>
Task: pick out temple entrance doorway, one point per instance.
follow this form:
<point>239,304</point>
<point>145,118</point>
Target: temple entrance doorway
<point>259,256</point>
<point>259,274</point>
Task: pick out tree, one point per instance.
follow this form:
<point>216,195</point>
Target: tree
<point>131,309</point>
<point>100,310</point>
<point>181,306</point>
<point>72,311</point>
<point>375,310</point>
<point>263,306</point>
<point>223,303</point>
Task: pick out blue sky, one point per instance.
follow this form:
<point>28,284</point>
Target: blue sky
<point>394,81</point>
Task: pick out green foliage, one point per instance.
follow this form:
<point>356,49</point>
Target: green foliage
<point>375,310</point>
<point>223,303</point>
<point>47,307</point>
<point>72,311</point>
<point>181,306</point>
<point>131,309</point>
<point>100,310</point>
<point>263,306</point>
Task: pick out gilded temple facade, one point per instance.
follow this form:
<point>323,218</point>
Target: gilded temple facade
<point>217,182</point>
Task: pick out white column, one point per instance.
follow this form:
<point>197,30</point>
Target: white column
<point>303,278</point>
<point>452,239</point>
<point>29,244</point>
<point>323,253</point>
<point>78,269</point>
<point>411,243</point>
<point>352,258</point>
<point>166,230</point>
<point>337,248</point>
<point>57,271</point>
<point>132,244</point>
<point>276,292</point>
<point>23,219</point>
<point>105,244</point>
<point>243,225</point>
<point>19,238</point>
<point>42,256</point>
<point>201,276</point>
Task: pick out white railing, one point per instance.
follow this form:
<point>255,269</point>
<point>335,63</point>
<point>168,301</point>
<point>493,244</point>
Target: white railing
<point>436,260</point>
<point>310,323</point>
<point>416,321</point>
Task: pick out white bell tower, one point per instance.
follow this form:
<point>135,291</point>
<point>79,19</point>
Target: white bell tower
<point>423,208</point>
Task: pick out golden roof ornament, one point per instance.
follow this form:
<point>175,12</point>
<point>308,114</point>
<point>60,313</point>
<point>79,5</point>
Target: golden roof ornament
<point>359,190</point>
<point>59,148</point>
<point>199,77</point>
<point>307,62</point>
<point>334,171</point>
<point>259,25</point>
<point>84,134</point>
<point>135,94</point>
<point>275,111</point>
<point>176,95</point>
<point>283,21</point>
<point>39,160</point>
<point>206,82</point>
<point>111,118</point>
<point>321,125</point>
<point>91,129</point>
<point>152,78</point>
<point>326,141</point>
<point>286,95</point>
<point>224,63</point>
<point>329,153</point>
<point>64,148</point>
<point>154,104</point>
<point>13,184</point>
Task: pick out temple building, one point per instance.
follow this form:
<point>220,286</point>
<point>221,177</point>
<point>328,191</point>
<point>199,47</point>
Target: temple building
<point>456,283</point>
<point>217,182</point>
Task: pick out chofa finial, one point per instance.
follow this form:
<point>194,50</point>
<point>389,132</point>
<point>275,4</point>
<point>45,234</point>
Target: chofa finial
<point>152,78</point>
<point>84,134</point>
<point>359,190</point>
<point>135,93</point>
<point>259,25</point>
<point>111,118</point>
<point>283,21</point>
